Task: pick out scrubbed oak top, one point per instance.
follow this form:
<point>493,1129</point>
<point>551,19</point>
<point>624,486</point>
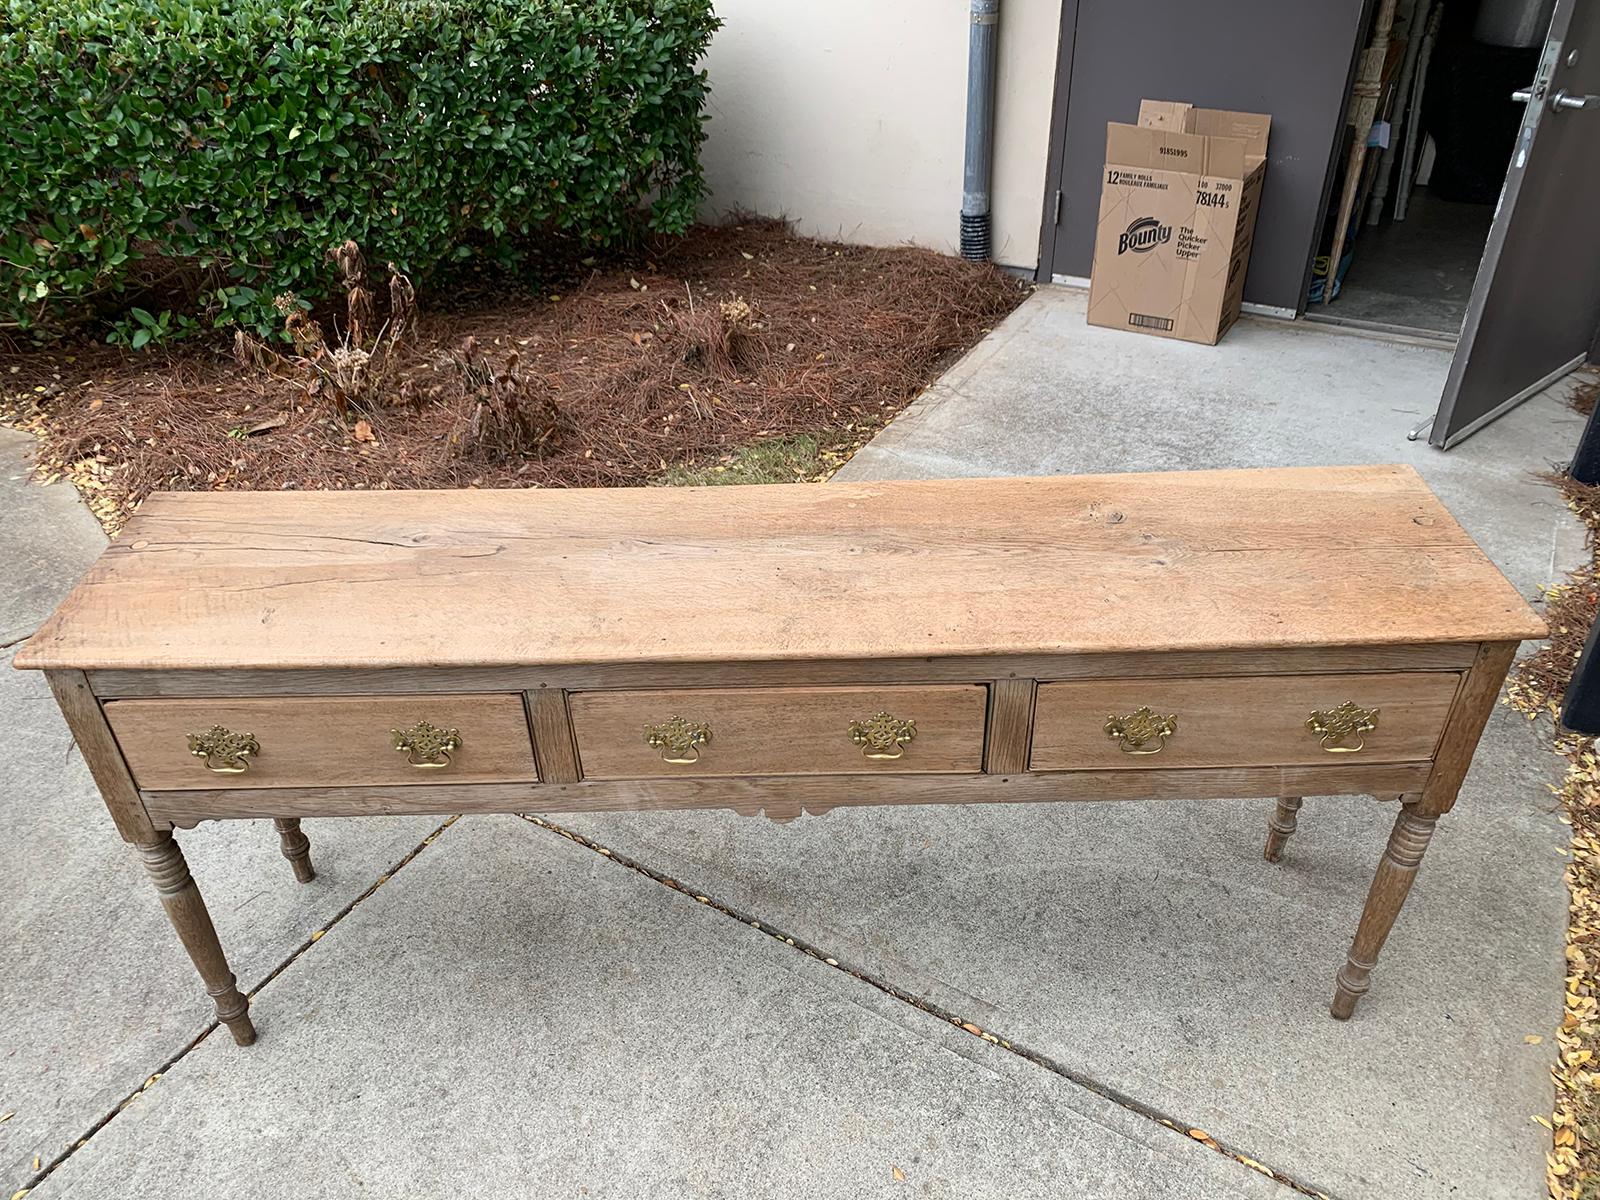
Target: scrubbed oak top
<point>1210,560</point>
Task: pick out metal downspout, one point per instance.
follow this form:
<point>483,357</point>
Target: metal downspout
<point>982,46</point>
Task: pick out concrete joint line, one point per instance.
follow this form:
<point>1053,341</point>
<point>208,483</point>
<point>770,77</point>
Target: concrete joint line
<point>344,912</point>
<point>1122,1100</point>
<point>51,1167</point>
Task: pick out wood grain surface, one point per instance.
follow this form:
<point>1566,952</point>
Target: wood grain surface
<point>1479,691</point>
<point>552,735</point>
<point>778,731</point>
<point>786,795</point>
<point>1210,560</point>
<point>1309,660</point>
<point>101,754</point>
<point>322,741</point>
<point>1238,722</point>
<point>1010,726</point>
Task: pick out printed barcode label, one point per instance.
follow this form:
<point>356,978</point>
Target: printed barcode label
<point>1140,321</point>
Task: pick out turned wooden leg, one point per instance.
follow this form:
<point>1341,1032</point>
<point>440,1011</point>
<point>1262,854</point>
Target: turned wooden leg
<point>1408,841</point>
<point>1280,825</point>
<point>296,847</point>
<point>187,911</point>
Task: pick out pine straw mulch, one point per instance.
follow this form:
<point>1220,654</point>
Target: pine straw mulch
<point>1537,686</point>
<point>730,337</point>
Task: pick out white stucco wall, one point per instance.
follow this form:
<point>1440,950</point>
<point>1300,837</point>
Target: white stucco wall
<point>849,118</point>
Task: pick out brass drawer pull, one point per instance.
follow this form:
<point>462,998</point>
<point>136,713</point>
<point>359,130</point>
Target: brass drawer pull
<point>223,751</point>
<point>883,737</point>
<point>425,745</point>
<point>1335,727</point>
<point>1134,733</point>
<point>678,740</point>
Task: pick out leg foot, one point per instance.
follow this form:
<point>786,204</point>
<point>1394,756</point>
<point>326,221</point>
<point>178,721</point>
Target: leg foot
<point>1408,841</point>
<point>1280,825</point>
<point>187,912</point>
<point>296,847</point>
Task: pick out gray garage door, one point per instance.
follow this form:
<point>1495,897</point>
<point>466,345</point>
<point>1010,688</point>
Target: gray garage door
<point>1290,60</point>
<point>1536,302</point>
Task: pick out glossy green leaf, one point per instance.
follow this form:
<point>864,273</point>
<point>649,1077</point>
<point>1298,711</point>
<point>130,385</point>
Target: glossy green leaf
<point>247,136</point>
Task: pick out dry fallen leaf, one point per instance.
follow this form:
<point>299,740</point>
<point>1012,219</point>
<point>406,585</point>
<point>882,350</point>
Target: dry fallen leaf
<point>1535,690</point>
<point>282,419</point>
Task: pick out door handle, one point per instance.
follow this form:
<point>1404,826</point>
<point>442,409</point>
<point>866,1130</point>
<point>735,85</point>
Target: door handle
<point>1560,100</point>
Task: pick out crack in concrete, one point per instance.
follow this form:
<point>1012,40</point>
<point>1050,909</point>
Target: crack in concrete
<point>1038,1059</point>
<point>317,935</point>
<point>48,1169</point>
<point>887,988</point>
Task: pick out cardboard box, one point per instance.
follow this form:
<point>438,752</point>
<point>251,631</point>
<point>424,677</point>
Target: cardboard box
<point>1177,219</point>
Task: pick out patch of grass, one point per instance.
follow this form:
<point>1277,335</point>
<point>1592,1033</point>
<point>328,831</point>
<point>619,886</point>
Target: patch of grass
<point>776,460</point>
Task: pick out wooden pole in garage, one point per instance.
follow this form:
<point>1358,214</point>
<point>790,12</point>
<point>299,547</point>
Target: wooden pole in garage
<point>1363,111</point>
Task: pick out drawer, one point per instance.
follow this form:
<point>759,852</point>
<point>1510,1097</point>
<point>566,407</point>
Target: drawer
<point>325,741</point>
<point>779,731</point>
<point>1239,722</point>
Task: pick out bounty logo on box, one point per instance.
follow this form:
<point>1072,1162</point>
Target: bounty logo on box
<point>1143,235</point>
<point>1178,202</point>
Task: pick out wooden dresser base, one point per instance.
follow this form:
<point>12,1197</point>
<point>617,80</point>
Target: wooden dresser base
<point>1424,789</point>
<point>783,651</point>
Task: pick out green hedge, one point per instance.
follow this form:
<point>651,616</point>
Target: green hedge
<point>236,141</point>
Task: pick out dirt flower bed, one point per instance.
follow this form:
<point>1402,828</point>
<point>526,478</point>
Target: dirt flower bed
<point>739,352</point>
<point>1537,686</point>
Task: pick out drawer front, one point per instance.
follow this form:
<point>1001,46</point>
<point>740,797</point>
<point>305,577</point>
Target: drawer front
<point>778,731</point>
<point>325,741</point>
<point>1239,722</point>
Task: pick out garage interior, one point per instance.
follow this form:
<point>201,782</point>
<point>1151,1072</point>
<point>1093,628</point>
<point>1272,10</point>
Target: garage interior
<point>1438,140</point>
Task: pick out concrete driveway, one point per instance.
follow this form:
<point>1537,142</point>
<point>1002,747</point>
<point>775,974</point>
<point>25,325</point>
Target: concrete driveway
<point>699,1004</point>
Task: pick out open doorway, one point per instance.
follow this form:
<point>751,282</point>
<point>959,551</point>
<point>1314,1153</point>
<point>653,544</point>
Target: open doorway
<point>1431,132</point>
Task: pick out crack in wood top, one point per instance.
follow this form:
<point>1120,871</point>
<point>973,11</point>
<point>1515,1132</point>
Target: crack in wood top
<point>1182,562</point>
